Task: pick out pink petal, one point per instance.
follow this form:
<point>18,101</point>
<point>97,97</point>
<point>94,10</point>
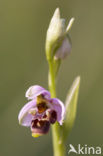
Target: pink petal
<point>24,116</point>
<point>36,90</point>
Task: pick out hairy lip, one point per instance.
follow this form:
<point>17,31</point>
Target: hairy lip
<point>41,127</point>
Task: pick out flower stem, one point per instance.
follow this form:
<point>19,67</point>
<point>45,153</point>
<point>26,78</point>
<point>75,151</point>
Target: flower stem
<point>51,80</point>
<point>58,143</point>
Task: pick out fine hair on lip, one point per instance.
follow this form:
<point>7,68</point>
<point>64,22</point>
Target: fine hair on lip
<point>41,126</point>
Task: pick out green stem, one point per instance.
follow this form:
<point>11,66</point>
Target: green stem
<point>58,144</point>
<point>51,80</point>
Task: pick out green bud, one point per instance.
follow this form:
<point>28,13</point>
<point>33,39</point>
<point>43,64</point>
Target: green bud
<point>57,42</point>
<point>55,33</point>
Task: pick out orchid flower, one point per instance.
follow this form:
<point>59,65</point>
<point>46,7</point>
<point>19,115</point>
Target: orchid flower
<point>41,111</point>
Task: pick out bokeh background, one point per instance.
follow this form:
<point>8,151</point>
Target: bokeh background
<point>23,25</point>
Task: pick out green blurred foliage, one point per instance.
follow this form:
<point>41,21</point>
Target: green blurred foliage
<point>23,25</point>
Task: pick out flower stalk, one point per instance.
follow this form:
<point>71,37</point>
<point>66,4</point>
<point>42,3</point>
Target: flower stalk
<point>57,137</point>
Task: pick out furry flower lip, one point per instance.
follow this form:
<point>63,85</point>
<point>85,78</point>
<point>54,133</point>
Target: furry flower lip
<point>41,111</point>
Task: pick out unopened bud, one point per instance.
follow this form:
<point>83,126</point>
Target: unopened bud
<point>58,44</point>
<point>55,32</point>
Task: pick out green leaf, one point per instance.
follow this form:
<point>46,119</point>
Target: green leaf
<point>71,106</point>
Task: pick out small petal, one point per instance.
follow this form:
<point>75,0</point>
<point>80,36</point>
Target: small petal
<point>59,108</point>
<point>24,116</point>
<point>36,90</point>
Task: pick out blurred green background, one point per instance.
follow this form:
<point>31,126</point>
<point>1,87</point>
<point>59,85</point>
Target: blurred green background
<point>23,25</point>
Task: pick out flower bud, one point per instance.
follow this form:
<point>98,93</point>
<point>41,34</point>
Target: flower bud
<point>57,42</point>
<point>55,32</point>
